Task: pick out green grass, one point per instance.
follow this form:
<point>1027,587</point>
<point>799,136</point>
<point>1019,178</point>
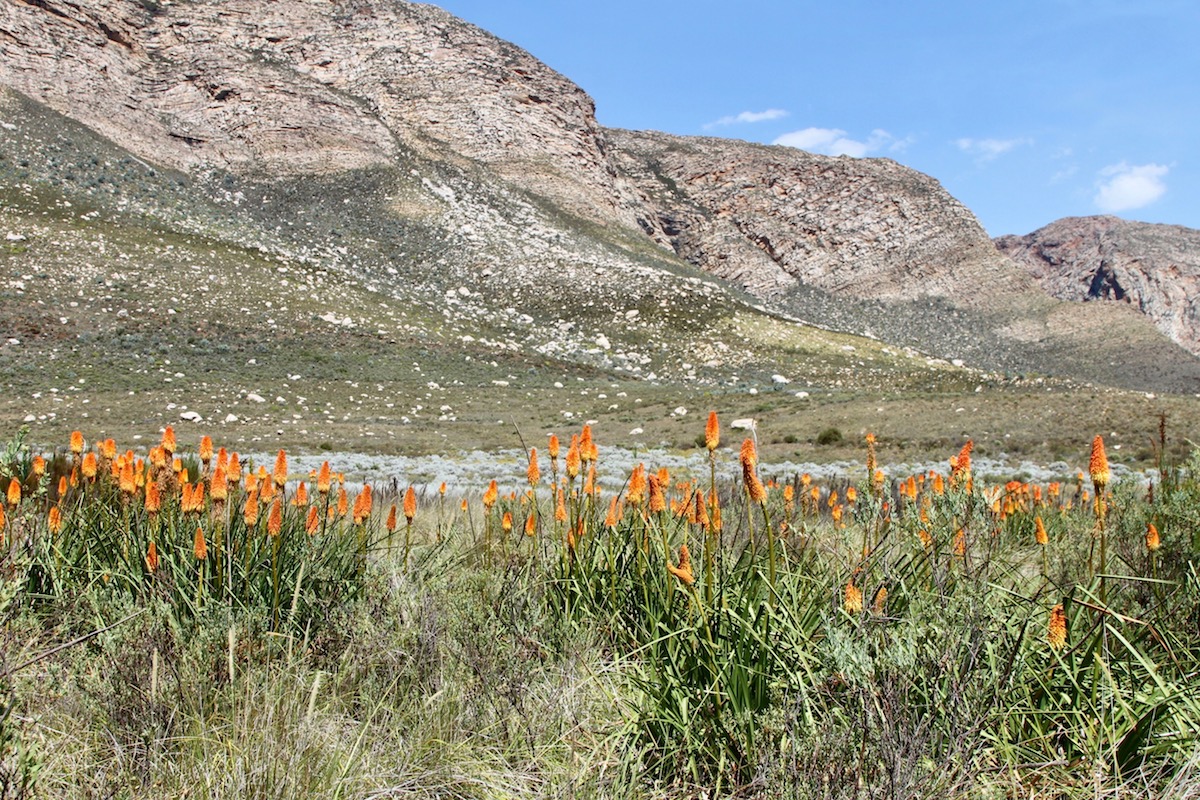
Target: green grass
<point>502,665</point>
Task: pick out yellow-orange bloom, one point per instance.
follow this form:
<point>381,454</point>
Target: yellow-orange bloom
<point>533,473</point>
<point>300,498</point>
<point>587,448</point>
<point>684,571</point>
<point>14,492</point>
<point>313,522</point>
<point>748,455</point>
<point>410,504</point>
<point>323,478</point>
<point>560,508</point>
<point>1098,466</point>
<point>390,524</point>
<point>754,487</point>
<point>490,495</point>
<point>612,517</point>
<point>279,475</point>
<point>128,480</point>
<point>960,465</point>
<point>1056,635</point>
<point>506,521</point>
<point>152,557</point>
<point>168,441</point>
<point>712,432</point>
<point>343,501</point>
<point>234,470</point>
<point>77,442</point>
<point>362,505</point>
<point>88,467</point>
<point>658,501</point>
<point>1040,531</point>
<point>853,599</point>
<point>250,510</point>
<point>275,518</point>
<point>206,449</point>
<point>1152,540</point>
<point>54,520</point>
<point>153,498</point>
<point>636,491</point>
<point>531,525</point>
<point>39,466</point>
<point>199,546</point>
<point>442,489</point>
<point>879,604</point>
<point>573,458</point>
<point>219,489</point>
<point>926,539</point>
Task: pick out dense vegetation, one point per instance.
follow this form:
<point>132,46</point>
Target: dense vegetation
<point>183,623</point>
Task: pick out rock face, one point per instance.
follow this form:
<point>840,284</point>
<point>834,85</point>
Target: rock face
<point>491,164</point>
<point>1153,268</point>
<point>311,87</point>
<point>769,218</point>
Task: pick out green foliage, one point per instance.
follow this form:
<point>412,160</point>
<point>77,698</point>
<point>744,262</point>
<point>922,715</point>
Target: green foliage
<point>829,436</point>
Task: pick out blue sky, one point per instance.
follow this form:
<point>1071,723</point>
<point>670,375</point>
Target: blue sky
<point>1025,111</point>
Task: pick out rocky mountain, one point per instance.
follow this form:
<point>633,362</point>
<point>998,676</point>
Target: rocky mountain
<point>1153,268</point>
<point>387,176</point>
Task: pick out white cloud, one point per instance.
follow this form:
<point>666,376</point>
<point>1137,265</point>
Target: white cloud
<point>1125,186</point>
<point>988,149</point>
<point>747,117</point>
<point>836,142</point>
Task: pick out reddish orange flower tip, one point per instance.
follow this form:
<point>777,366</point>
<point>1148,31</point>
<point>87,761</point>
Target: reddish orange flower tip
<point>1098,465</point>
<point>712,432</point>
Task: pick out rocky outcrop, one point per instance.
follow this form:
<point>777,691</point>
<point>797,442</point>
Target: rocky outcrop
<point>1153,268</point>
<point>312,87</point>
<point>769,218</point>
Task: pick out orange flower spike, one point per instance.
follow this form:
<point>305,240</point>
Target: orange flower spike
<point>199,546</point>
<point>636,491</point>
<point>712,432</point>
<point>280,473</point>
<point>748,455</point>
<point>153,498</point>
<point>391,518</point>
<point>962,464</point>
<point>658,502</point>
<point>300,499</point>
<point>533,473</point>
<point>442,489</point>
<point>684,571</point>
<point>206,450</point>
<point>168,441</point>
<point>789,493</point>
<point>552,446</point>
<point>198,498</point>
<point>323,479</point>
<point>250,510</point>
<point>506,522</point>
<point>410,504</point>
<point>251,482</point>
<point>275,518</point>
<point>53,520</point>
<point>39,467</point>
<point>702,518</point>
<point>14,492</point>
<point>88,467</point>
<point>1153,542</point>
<point>573,458</point>
<point>1098,466</point>
<point>560,509</point>
<point>852,600</point>
<point>343,501</point>
<point>589,485</point>
<point>851,495</point>
<point>1040,531</point>
<point>219,485</point>
<point>234,470</point>
<point>612,517</point>
<point>960,543</point>
<point>833,498</point>
<point>587,446</point>
<point>77,443</point>
<point>222,458</point>
<point>313,523</point>
<point>531,525</point>
<point>152,558</point>
<point>490,496</point>
<point>1056,633</point>
<point>108,449</point>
